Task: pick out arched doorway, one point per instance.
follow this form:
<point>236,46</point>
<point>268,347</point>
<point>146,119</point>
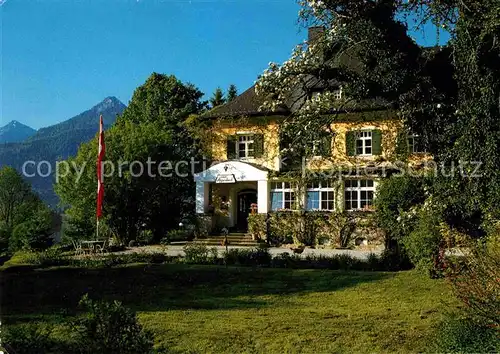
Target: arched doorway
<point>245,199</point>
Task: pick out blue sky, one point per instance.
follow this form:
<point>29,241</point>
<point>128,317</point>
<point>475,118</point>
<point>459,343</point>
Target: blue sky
<point>60,57</point>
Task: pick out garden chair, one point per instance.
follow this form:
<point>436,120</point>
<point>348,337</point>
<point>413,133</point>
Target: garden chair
<point>78,248</point>
<point>102,248</point>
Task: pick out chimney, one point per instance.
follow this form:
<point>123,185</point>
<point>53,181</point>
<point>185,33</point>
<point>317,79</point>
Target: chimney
<point>315,33</point>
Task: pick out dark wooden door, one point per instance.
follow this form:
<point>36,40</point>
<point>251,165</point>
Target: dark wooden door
<point>245,201</point>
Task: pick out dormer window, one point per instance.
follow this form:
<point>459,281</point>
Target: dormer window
<point>338,94</point>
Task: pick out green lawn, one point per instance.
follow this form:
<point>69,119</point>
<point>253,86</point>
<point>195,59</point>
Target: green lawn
<point>208,309</point>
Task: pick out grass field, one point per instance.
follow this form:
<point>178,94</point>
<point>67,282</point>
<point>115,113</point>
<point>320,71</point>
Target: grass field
<point>209,309</point>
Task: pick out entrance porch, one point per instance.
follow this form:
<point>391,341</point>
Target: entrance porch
<point>227,192</point>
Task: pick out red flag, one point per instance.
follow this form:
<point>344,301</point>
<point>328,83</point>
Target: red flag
<point>100,178</point>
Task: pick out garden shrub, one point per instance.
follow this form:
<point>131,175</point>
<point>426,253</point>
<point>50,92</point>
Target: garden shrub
<point>309,228</point>
<point>285,260</point>
<point>257,226</point>
<point>282,227</point>
<point>423,243</point>
<point>34,234</point>
<point>109,327</point>
<point>475,281</point>
<point>48,258</point>
<point>29,338</point>
<point>111,260</point>
<point>395,195</point>
<point>196,253</point>
<point>176,236</point>
<point>248,257</point>
<point>464,335</point>
<point>395,260</point>
<point>145,237</point>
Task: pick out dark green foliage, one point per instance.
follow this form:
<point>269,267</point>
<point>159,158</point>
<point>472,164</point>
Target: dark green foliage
<point>258,145</point>
<point>248,257</point>
<point>422,244</point>
<point>30,338</point>
<point>145,237</point>
<point>217,98</point>
<point>33,234</point>
<point>15,193</point>
<point>396,195</point>
<point>176,235</point>
<point>109,327</point>
<point>78,228</point>
<point>325,148</point>
<point>395,260</point>
<point>350,143</point>
<point>196,253</point>
<point>163,99</point>
<point>232,93</point>
<point>464,335</point>
<point>5,233</point>
<point>25,222</point>
<point>105,327</point>
<point>231,147</point>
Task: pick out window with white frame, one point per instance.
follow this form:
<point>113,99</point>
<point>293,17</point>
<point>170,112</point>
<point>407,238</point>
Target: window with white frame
<point>338,94</point>
<point>245,147</point>
<point>415,144</point>
<point>283,196</point>
<point>359,194</point>
<point>364,143</point>
<point>320,196</point>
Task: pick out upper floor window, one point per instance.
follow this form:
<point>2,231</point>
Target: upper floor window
<point>321,196</point>
<point>245,146</point>
<point>283,196</point>
<point>364,142</point>
<point>359,194</point>
<point>415,144</point>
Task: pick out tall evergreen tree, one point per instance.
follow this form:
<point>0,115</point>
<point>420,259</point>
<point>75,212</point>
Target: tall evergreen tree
<point>232,92</point>
<point>217,98</point>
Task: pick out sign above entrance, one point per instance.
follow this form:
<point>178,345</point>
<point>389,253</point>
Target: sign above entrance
<point>227,178</point>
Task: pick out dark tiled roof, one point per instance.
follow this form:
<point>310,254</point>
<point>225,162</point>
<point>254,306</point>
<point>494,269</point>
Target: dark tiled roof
<point>246,104</point>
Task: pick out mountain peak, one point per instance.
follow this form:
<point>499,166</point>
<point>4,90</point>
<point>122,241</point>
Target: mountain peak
<point>15,132</point>
<point>107,103</point>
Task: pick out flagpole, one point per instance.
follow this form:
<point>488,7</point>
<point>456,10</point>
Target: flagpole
<point>100,181</point>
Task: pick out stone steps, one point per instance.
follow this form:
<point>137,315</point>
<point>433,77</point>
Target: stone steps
<point>236,239</point>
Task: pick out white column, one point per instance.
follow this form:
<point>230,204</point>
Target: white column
<point>262,197</point>
<point>202,191</point>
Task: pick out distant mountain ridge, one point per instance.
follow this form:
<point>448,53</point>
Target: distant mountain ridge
<point>57,142</point>
<point>86,121</point>
<point>15,132</point>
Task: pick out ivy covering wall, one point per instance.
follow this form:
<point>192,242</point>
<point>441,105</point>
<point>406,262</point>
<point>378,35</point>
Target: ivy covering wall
<point>314,228</point>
